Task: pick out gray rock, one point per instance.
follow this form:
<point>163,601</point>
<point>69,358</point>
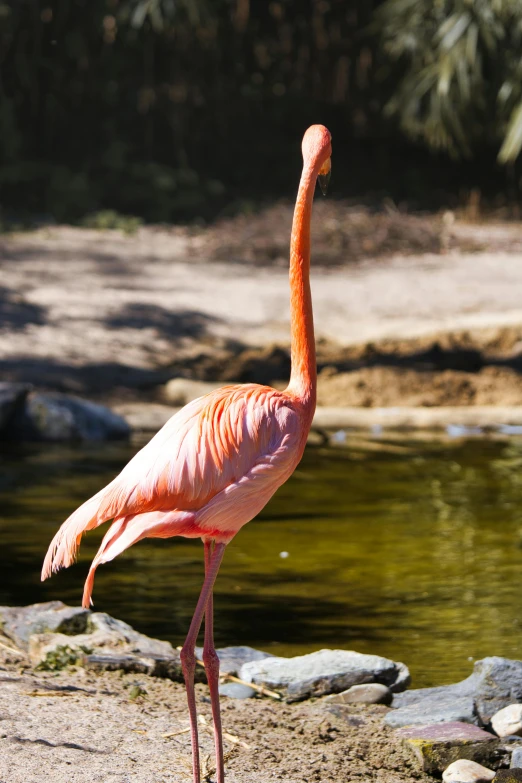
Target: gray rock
<point>166,667</point>
<point>466,771</point>
<point>20,622</point>
<point>495,683</point>
<point>516,757</point>
<point>370,693</point>
<point>231,659</point>
<point>320,673</point>
<point>235,690</point>
<point>441,708</point>
<point>12,398</point>
<point>439,745</point>
<point>56,635</point>
<point>59,417</point>
<point>403,680</point>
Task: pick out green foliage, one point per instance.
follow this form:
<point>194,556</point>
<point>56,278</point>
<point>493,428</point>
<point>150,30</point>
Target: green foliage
<point>62,656</point>
<point>108,219</point>
<point>458,67</point>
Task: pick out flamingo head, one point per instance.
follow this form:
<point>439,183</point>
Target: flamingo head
<point>317,150</point>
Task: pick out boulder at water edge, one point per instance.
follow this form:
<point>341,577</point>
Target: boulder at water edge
<point>55,636</point>
<point>60,417</point>
<point>12,398</point>
<point>324,672</point>
<point>495,683</point>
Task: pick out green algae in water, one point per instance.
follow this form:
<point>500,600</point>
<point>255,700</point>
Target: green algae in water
<point>409,550</point>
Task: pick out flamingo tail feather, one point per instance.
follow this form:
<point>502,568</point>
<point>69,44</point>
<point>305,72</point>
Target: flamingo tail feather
<point>64,547</point>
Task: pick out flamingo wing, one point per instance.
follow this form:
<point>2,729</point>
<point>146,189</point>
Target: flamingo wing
<point>208,471</point>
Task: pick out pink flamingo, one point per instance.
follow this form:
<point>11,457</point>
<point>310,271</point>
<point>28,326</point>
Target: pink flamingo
<point>215,463</point>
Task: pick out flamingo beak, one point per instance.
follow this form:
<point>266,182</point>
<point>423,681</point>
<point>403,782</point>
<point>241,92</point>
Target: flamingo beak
<point>324,175</point>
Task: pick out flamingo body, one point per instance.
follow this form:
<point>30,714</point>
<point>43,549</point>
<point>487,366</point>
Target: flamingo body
<point>210,469</point>
<point>216,463</point>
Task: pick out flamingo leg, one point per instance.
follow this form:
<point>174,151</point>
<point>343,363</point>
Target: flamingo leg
<point>188,656</point>
<point>211,661</point>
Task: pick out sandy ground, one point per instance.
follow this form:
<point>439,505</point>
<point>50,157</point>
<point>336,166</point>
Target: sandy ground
<point>77,727</point>
<point>88,310</point>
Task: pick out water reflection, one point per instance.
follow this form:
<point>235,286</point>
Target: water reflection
<point>410,550</point>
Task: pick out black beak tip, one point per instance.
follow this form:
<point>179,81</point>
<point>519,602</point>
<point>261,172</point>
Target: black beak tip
<point>324,180</point>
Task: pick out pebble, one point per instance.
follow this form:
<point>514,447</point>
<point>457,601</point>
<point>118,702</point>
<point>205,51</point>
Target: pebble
<point>466,771</point>
<point>508,721</point>
<point>516,757</point>
<point>370,693</point>
<point>235,690</point>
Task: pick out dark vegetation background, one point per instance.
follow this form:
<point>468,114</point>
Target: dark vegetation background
<point>189,109</point>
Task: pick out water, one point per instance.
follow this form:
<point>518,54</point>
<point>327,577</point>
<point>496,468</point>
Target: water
<point>406,549</point>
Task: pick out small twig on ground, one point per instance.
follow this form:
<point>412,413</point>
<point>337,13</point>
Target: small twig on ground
<point>175,733</point>
<point>258,688</point>
<point>48,693</point>
<point>15,650</point>
<point>235,740</point>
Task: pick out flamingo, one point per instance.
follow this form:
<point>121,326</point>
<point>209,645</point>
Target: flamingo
<point>216,463</point>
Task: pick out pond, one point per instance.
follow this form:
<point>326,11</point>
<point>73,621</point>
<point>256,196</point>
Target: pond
<point>402,548</point>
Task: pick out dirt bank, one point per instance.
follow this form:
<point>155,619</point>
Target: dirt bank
<point>115,316</point>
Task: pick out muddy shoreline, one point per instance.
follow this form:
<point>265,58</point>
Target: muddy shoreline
<point>77,727</point>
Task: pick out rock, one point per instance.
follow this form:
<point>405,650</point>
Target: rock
<point>12,399</point>
<point>320,673</point>
<point>20,622</point>
<point>403,680</point>
<point>370,693</point>
<point>466,771</point>
<point>231,659</point>
<point>508,776</point>
<point>56,636</point>
<point>179,391</point>
<point>495,683</point>
<point>166,667</point>
<point>516,757</point>
<point>440,708</point>
<point>235,690</point>
<point>58,417</point>
<point>508,721</point>
<point>440,744</point>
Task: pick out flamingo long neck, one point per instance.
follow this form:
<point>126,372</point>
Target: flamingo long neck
<point>303,378</point>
